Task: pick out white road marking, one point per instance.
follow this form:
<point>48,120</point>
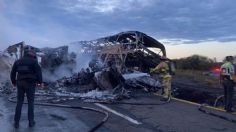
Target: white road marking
<point>119,114</point>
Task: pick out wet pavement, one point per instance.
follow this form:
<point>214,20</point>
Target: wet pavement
<point>173,117</point>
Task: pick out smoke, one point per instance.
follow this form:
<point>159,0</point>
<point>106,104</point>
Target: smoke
<point>77,59</point>
<point>82,58</point>
<point>5,66</point>
<point>68,62</point>
<point>5,69</point>
<point>58,73</point>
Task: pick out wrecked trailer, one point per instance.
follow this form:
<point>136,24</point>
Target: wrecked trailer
<point>51,59</point>
<point>5,67</point>
<point>54,57</point>
<point>130,49</point>
<point>47,57</point>
<point>57,63</point>
<point>17,50</point>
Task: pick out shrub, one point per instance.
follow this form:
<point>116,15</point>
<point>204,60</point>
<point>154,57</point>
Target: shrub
<point>194,62</point>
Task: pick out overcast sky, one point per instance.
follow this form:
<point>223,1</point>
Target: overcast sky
<point>57,22</point>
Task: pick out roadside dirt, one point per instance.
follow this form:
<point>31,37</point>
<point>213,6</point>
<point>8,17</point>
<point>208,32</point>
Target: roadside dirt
<point>190,89</point>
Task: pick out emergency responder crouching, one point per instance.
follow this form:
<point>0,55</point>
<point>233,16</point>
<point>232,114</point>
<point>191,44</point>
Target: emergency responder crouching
<point>25,74</point>
<point>227,79</point>
<point>162,70</point>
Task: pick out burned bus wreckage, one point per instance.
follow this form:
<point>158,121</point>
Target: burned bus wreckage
<point>116,63</point>
<point>112,70</point>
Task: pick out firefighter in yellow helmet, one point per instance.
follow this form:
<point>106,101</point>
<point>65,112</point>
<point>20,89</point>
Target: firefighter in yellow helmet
<point>163,70</point>
<point>227,79</point>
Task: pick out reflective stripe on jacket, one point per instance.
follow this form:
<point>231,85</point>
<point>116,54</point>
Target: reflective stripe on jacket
<point>227,69</point>
<point>162,69</point>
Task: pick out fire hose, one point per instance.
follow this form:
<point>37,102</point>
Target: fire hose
<point>129,103</point>
<point>132,103</point>
<point>11,99</point>
<point>217,99</point>
<point>202,106</point>
<point>105,101</point>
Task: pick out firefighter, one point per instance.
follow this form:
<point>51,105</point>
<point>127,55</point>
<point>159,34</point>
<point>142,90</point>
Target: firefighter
<point>25,74</point>
<point>162,70</point>
<point>227,79</point>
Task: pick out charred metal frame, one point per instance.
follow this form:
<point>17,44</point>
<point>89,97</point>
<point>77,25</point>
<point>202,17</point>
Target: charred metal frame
<point>126,49</point>
<point>122,45</point>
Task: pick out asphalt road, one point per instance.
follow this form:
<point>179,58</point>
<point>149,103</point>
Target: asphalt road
<point>173,117</point>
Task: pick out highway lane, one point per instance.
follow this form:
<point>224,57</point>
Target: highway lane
<point>176,116</point>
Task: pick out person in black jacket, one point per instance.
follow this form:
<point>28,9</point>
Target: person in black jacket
<point>25,74</point>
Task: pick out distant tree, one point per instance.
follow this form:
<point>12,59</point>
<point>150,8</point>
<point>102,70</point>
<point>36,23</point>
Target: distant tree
<point>195,62</point>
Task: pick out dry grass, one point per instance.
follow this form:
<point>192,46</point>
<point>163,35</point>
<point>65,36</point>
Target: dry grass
<point>197,76</point>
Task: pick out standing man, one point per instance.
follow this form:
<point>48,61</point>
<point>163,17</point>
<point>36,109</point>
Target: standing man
<point>227,79</point>
<point>25,74</point>
<point>163,70</point>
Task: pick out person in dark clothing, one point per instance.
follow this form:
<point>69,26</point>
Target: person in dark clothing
<point>228,79</point>
<point>25,74</point>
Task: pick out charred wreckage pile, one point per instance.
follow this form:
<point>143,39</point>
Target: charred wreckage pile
<point>108,68</point>
<point>115,65</point>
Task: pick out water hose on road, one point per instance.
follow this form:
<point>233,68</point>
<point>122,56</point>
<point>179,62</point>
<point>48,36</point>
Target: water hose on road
<point>201,108</point>
<point>217,99</point>
<point>11,99</point>
<point>107,101</point>
<point>130,103</point>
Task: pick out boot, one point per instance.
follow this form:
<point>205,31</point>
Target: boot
<point>16,125</point>
<point>32,124</point>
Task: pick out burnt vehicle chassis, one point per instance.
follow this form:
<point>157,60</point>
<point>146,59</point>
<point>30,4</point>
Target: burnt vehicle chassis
<point>130,49</point>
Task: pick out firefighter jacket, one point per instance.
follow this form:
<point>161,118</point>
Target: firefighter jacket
<point>227,70</point>
<point>162,69</point>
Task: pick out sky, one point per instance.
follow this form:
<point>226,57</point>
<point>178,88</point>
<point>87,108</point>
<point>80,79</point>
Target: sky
<point>185,27</point>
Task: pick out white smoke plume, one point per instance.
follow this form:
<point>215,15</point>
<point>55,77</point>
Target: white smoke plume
<point>69,69</point>
<point>66,69</point>
<point>6,63</point>
<point>82,59</point>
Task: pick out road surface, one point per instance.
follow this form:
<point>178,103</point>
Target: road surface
<point>175,116</point>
